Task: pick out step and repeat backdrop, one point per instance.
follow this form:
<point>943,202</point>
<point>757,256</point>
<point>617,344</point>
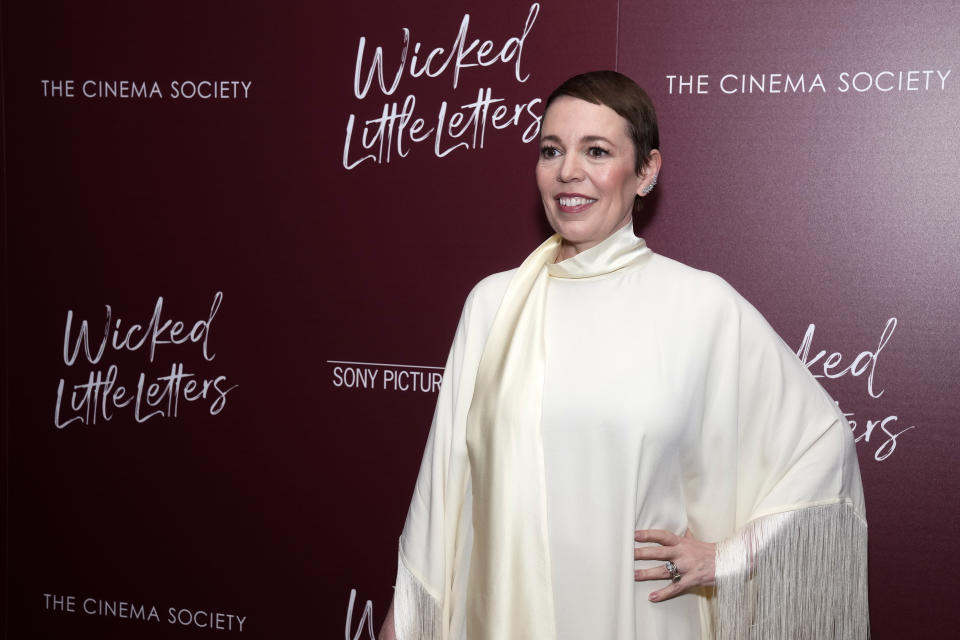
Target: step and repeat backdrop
<point>238,239</point>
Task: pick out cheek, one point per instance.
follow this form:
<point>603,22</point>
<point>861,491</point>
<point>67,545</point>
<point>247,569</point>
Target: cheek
<point>620,180</point>
<point>544,179</point>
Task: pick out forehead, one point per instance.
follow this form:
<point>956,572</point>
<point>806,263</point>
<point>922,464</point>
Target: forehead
<point>570,119</point>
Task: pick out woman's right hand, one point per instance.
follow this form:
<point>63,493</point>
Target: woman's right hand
<point>387,631</point>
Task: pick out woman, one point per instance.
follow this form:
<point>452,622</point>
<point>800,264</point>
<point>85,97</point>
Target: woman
<point>604,412</point>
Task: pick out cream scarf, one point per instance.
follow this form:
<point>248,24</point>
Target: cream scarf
<point>510,594</point>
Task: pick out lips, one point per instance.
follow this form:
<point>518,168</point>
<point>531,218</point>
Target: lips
<point>573,202</point>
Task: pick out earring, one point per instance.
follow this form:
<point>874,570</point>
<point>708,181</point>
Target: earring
<point>647,189</point>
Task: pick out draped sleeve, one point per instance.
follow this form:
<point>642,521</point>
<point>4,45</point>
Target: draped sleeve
<point>434,553</point>
<point>778,484</point>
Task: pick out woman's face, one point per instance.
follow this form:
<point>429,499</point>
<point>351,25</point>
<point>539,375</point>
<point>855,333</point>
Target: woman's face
<point>586,172</point>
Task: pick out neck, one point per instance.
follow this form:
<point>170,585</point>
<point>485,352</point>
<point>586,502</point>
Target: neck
<point>569,249</point>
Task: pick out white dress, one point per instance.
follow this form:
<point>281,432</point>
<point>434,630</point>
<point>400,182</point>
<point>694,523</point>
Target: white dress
<point>667,403</point>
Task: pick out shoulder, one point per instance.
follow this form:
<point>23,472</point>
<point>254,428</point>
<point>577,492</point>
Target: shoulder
<point>487,294</point>
<point>715,306</point>
<point>481,305</point>
<point>691,287</point>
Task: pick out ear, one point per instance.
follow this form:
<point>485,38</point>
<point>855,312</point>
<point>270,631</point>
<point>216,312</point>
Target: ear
<point>648,174</point>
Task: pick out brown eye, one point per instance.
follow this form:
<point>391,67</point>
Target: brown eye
<point>597,152</point>
<point>548,152</point>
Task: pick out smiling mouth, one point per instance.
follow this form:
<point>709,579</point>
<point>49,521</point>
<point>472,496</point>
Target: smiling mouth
<point>576,202</point>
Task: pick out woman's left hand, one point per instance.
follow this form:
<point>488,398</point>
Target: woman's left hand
<point>695,560</point>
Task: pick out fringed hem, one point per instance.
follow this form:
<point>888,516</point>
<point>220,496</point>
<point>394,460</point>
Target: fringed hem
<point>795,575</point>
<point>417,615</point>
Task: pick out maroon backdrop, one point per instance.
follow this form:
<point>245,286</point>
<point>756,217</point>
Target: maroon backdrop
<point>295,244</point>
<point>832,206</point>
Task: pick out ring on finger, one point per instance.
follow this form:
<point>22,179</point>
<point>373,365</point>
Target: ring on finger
<point>673,571</point>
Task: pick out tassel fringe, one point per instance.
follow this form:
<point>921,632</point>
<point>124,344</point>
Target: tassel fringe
<point>416,613</point>
<point>795,575</point>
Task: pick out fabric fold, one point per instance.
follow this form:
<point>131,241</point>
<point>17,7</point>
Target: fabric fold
<point>510,591</point>
<point>510,594</point>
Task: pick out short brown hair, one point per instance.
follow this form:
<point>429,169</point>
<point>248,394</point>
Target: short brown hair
<point>624,96</point>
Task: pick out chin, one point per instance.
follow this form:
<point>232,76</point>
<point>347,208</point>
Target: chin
<point>578,231</point>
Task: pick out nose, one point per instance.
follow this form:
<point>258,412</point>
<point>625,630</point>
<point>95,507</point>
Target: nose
<point>570,169</point>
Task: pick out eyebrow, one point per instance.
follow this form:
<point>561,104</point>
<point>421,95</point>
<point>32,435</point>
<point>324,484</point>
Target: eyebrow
<point>584,139</point>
